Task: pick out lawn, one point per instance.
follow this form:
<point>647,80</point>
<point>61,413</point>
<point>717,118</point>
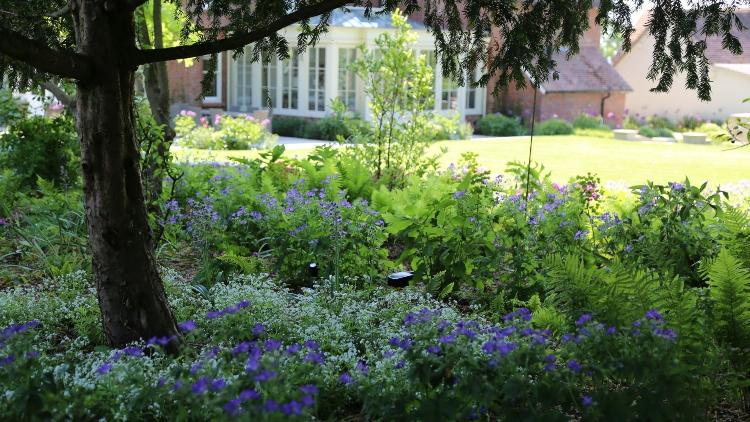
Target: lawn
<point>567,156</point>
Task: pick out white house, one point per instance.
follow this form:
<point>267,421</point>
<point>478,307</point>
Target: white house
<point>730,76</point>
<point>305,84</point>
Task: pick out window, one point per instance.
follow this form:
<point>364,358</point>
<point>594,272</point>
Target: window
<point>317,86</point>
<point>347,78</point>
<point>268,82</point>
<point>472,92</point>
<point>244,78</point>
<point>212,93</point>
<point>290,81</point>
<point>448,94</point>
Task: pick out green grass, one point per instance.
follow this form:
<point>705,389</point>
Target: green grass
<point>568,156</point>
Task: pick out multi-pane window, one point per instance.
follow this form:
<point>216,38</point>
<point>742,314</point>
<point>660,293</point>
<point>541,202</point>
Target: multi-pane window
<point>472,91</point>
<point>244,80</point>
<point>317,73</point>
<point>212,93</point>
<point>290,81</point>
<point>448,94</point>
<point>269,82</point>
<point>347,77</point>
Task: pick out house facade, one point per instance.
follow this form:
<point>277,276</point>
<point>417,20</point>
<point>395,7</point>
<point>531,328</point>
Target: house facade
<point>729,74</point>
<point>305,84</point>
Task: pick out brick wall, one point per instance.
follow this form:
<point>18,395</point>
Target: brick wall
<point>185,84</point>
<point>568,105</point>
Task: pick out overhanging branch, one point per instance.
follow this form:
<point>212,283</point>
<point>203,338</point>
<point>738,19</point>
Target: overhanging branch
<point>238,41</point>
<point>41,57</point>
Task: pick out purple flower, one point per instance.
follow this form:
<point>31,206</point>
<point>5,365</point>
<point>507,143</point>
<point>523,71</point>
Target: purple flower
<point>587,401</point>
<point>611,330</point>
<point>362,367</point>
<point>218,384</point>
<point>307,401</point>
<point>628,248</point>
<point>233,407</point>
<point>214,314</point>
<point>133,351</point>
<point>583,319</point>
<point>653,314</point>
<point>249,394</point>
<point>265,375</point>
<point>404,343</point>
<point>580,234</point>
<point>161,341</point>
<point>311,344</point>
<point>292,408</point>
<point>309,389</point>
<point>103,369</point>
<point>574,366</point>
<point>458,195</point>
<point>447,339</point>
<point>666,333</point>
<point>346,378</point>
<point>272,345</point>
<point>434,349</point>
<point>187,326</point>
<point>200,386</point>
<point>271,406</point>
<point>3,222</point>
<point>259,329</point>
<point>314,357</point>
<point>294,348</point>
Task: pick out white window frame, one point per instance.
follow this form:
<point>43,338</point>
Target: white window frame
<point>215,99</point>
<point>294,57</point>
<point>316,93</point>
<point>344,92</point>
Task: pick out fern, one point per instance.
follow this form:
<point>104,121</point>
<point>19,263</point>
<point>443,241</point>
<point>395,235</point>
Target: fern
<point>247,265</point>
<point>729,291</point>
<point>736,233</point>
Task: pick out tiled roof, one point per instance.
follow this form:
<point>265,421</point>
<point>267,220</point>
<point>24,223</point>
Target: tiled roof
<point>354,17</point>
<point>714,51</point>
<point>588,71</point>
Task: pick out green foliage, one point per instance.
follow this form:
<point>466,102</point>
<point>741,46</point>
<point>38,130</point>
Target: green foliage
<point>715,133</point>
<point>499,125</point>
<point>554,127</point>
<point>41,148</point>
<point>11,110</point>
<point>588,121</point>
<point>289,126</point>
<point>729,289</point>
<point>661,122</point>
<point>399,85</point>
<point>651,132</point>
<point>450,128</point>
<point>227,132</point>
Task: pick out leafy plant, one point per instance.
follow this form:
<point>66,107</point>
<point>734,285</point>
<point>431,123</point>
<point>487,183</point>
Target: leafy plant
<point>41,148</point>
<point>554,127</point>
<point>588,121</point>
<point>499,125</point>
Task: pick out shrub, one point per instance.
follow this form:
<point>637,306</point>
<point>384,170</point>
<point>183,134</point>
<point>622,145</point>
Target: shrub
<point>689,123</point>
<point>499,125</point>
<point>715,133</point>
<point>633,122</point>
<point>227,132</point>
<point>651,132</point>
<point>450,128</point>
<point>321,227</point>
<point>554,127</point>
<point>289,126</point>
<point>41,148</point>
<point>661,122</point>
<point>11,110</point>
<point>588,121</point>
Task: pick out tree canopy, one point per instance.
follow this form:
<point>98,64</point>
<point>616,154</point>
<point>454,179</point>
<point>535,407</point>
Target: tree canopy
<point>509,39</point>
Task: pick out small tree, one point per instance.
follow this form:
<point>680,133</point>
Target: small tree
<point>399,87</point>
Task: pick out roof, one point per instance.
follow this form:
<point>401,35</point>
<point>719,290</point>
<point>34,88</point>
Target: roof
<point>714,51</point>
<point>354,17</point>
<point>743,68</point>
<point>588,71</point>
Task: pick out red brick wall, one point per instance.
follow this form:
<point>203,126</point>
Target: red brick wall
<point>568,105</point>
<point>185,83</point>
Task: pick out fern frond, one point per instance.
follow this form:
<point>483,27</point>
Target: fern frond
<point>729,284</point>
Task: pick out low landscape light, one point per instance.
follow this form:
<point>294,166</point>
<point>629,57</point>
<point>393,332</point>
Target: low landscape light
<point>400,279</point>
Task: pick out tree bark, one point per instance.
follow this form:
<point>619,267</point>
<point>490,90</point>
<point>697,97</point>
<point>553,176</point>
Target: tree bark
<point>129,288</point>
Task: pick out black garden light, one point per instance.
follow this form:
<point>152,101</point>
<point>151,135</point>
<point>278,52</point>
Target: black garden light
<point>312,269</point>
<point>400,279</point>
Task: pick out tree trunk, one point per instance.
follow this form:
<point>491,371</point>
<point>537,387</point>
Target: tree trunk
<point>129,288</point>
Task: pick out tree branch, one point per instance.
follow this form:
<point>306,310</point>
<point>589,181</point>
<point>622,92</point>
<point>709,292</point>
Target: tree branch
<point>238,41</point>
<point>41,57</point>
<point>60,12</point>
<point>62,96</point>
